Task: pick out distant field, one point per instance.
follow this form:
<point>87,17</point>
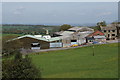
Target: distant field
<point>12,34</point>
<point>79,62</point>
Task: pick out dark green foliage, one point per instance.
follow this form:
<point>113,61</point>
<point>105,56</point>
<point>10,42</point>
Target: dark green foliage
<point>28,29</point>
<point>95,27</point>
<point>18,56</point>
<point>103,23</point>
<point>10,47</point>
<point>65,27</point>
<point>19,68</point>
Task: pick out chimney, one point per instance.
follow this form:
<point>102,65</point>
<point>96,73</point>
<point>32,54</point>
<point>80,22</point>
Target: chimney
<point>47,32</point>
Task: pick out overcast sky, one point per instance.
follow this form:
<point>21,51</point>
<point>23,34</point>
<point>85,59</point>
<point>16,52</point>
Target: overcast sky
<point>59,12</point>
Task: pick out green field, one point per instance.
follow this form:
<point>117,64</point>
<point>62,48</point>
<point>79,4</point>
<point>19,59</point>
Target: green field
<point>12,35</point>
<point>79,62</point>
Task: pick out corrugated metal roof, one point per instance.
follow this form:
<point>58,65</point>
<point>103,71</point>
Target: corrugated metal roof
<point>81,29</point>
<point>64,37</point>
<point>31,36</point>
<point>66,33</point>
<point>54,39</point>
<point>75,28</point>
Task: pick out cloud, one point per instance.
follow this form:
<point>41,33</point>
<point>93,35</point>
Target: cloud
<point>104,14</point>
<point>19,10</point>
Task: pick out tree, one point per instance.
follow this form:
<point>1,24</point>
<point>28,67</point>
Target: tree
<point>19,67</point>
<point>65,27</point>
<point>99,24</point>
<point>11,46</point>
<point>103,23</point>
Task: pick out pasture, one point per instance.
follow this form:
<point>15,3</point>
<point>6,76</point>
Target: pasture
<point>79,62</point>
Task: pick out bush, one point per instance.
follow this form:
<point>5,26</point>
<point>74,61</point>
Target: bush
<point>19,68</point>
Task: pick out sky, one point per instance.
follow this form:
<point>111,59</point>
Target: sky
<point>59,0</point>
<point>58,12</point>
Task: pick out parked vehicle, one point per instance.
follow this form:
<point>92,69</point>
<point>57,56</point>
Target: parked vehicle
<point>74,45</point>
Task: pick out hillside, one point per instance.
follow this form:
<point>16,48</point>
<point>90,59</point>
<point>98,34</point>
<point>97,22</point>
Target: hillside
<point>79,62</point>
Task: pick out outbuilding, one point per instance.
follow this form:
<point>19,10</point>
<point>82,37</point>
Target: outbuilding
<point>33,42</point>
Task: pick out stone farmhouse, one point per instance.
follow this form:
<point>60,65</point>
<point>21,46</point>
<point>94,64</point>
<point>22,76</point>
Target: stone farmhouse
<point>111,31</point>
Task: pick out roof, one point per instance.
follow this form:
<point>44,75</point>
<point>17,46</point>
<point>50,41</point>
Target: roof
<point>59,32</point>
<point>109,27</point>
<point>64,37</point>
<point>54,39</point>
<point>81,29</point>
<point>38,35</point>
<point>66,33</point>
<point>75,28</point>
<point>30,36</point>
<point>40,38</point>
<point>83,35</point>
<point>96,33</point>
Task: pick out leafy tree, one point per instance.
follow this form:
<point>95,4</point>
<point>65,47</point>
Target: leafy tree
<point>103,23</point>
<point>10,47</point>
<point>19,67</point>
<point>99,24</point>
<point>65,27</point>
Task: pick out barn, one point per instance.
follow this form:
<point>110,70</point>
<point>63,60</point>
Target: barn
<point>36,42</point>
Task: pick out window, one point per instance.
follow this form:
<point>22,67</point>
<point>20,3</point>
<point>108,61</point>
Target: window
<point>35,45</point>
<point>104,30</point>
<point>98,34</point>
<point>113,38</point>
<point>108,30</point>
<point>108,35</point>
<point>113,34</point>
<point>113,30</point>
<point>73,40</point>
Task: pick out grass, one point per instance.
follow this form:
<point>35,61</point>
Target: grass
<point>79,62</point>
<point>12,34</point>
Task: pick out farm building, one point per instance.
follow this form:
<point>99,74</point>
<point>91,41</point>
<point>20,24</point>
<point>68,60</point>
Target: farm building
<point>96,37</point>
<point>75,35</point>
<point>110,31</point>
<point>38,42</point>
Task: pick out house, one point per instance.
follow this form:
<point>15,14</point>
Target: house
<point>110,31</point>
<point>75,35</point>
<point>118,30</point>
<point>96,37</point>
<point>38,42</point>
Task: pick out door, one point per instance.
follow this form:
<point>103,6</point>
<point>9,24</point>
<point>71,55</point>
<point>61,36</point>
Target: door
<point>35,45</point>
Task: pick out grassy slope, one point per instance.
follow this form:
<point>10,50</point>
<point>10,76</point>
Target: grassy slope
<point>79,62</point>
